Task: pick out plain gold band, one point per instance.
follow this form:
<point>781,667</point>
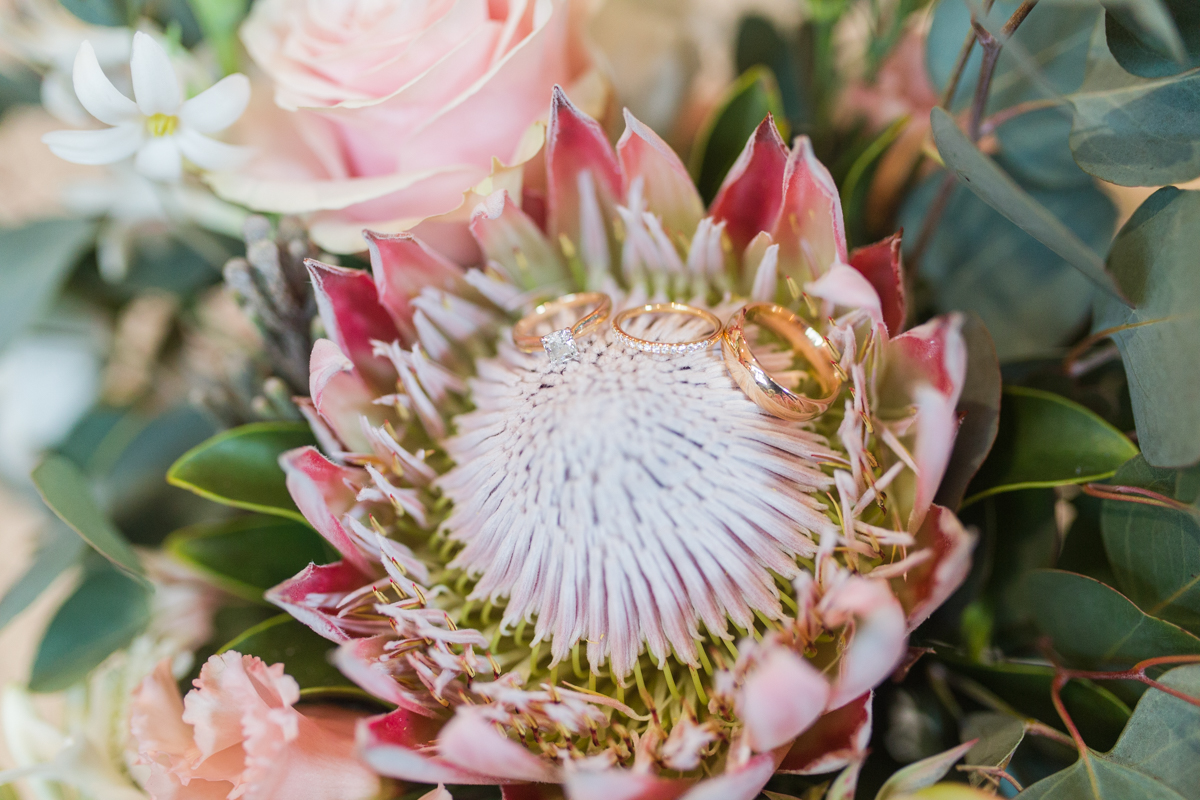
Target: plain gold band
<point>668,348</point>
<point>758,384</point>
<point>600,304</point>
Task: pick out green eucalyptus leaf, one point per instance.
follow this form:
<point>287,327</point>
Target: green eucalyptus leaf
<point>1001,192</point>
<point>978,412</point>
<point>1099,713</point>
<point>1091,624</point>
<point>1155,551</point>
<point>62,549</point>
<point>1154,261</point>
<point>1135,131</point>
<point>103,615</point>
<point>303,653</point>
<point>249,555</point>
<point>111,13</point>
<point>1156,758</point>
<point>240,467</point>
<point>66,491</point>
<point>920,774</point>
<point>34,263</point>
<point>724,136</point>
<point>1153,38</point>
<point>1048,440</point>
<point>997,738</point>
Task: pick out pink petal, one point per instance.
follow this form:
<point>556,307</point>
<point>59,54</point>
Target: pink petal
<point>575,143</point>
<point>324,491</point>
<point>316,580</point>
<point>880,264</point>
<point>810,230</point>
<point>358,660</point>
<point>512,240</point>
<point>319,763</point>
<point>403,265</point>
<point>928,584</point>
<point>782,695</point>
<point>740,783</point>
<point>156,716</point>
<point>400,745</point>
<point>341,397</point>
<point>471,743</point>
<point>752,193</point>
<point>666,184</point>
<point>880,635</point>
<point>350,310</point>
<point>847,288</point>
<point>933,352</point>
<point>836,739</point>
<point>230,687</point>
<point>623,784</point>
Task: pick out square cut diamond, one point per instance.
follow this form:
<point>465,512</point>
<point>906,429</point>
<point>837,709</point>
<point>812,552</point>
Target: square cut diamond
<point>560,346</point>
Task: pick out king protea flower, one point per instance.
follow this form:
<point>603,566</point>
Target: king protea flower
<point>621,575</point>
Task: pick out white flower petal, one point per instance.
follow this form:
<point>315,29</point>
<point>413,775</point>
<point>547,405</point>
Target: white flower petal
<point>209,153</point>
<point>154,82</point>
<point>159,159</point>
<point>95,147</point>
<point>96,92</point>
<point>218,106</point>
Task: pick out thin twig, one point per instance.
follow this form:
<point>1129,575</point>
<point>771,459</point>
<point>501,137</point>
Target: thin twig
<point>933,216</point>
<point>993,122</point>
<point>964,55</point>
<point>995,773</point>
<point>991,55</point>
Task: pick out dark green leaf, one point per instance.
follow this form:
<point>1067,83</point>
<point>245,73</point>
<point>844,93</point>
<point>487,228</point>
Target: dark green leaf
<point>1156,758</point>
<point>103,615</point>
<point>1155,551</point>
<point>241,468</point>
<point>61,549</point>
<point>1154,261</point>
<point>1001,192</point>
<point>303,653</point>
<point>1144,46</point>
<point>745,105</point>
<point>1047,440</point>
<point>1026,687</point>
<point>249,555</point>
<point>978,411</point>
<point>66,491</point>
<point>34,262</point>
<point>760,43</point>
<point>998,735</point>
<point>1091,624</point>
<point>98,12</point>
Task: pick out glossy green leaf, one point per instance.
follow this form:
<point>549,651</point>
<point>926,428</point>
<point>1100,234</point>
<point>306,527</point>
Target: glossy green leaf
<point>1099,714</point>
<point>745,105</point>
<point>66,491</point>
<point>249,555</point>
<point>1141,41</point>
<point>303,653</point>
<point>1155,551</point>
<point>998,736</point>
<point>1135,131</point>
<point>760,43</point>
<point>1153,259</point>
<point>61,549</point>
<point>1093,625</point>
<point>241,468</point>
<point>996,188</point>
<point>103,615</point>
<point>1048,440</point>
<point>920,774</point>
<point>1156,758</point>
<point>34,262</point>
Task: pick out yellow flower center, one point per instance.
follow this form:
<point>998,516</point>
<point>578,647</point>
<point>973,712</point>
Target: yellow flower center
<point>161,124</point>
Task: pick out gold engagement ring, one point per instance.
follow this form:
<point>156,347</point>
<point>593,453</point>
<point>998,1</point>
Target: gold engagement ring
<point>667,348</point>
<point>758,384</point>
<point>590,309</point>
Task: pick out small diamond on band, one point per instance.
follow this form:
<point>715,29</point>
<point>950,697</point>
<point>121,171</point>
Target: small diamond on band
<point>560,346</point>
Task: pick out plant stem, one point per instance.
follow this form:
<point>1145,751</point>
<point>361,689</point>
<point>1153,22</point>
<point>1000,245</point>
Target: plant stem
<point>964,55</point>
<point>993,122</point>
<point>991,55</point>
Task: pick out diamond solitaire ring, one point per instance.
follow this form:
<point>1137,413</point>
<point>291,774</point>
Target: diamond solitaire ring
<point>588,310</point>
<point>763,388</point>
<point>668,348</point>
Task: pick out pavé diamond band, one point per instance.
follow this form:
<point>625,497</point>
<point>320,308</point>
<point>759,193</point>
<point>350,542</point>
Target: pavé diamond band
<point>758,384</point>
<point>667,348</point>
<point>590,310</point>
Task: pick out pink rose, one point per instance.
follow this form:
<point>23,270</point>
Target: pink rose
<point>238,735</point>
<point>398,108</point>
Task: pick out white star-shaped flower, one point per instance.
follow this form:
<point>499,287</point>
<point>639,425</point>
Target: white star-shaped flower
<point>161,128</point>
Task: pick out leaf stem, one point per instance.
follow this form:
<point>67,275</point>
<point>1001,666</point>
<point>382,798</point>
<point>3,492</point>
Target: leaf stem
<point>991,55</point>
<point>964,55</point>
<point>993,122</point>
<point>1060,680</point>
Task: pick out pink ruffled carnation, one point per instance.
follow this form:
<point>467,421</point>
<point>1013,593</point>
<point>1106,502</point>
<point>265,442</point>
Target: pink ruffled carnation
<point>621,575</point>
<point>238,734</point>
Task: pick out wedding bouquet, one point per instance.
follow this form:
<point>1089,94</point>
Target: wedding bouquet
<point>617,401</point>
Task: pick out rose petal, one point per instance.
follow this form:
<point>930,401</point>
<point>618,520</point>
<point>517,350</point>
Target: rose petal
<point>666,185</point>
<point>781,696</point>
<point>837,738</point>
<point>881,265</point>
<point>927,585</point>
<point>752,192</point>
<point>349,306</point>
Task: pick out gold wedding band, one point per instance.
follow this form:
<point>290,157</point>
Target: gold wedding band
<point>561,345</point>
<point>758,384</point>
<point>668,348</point>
